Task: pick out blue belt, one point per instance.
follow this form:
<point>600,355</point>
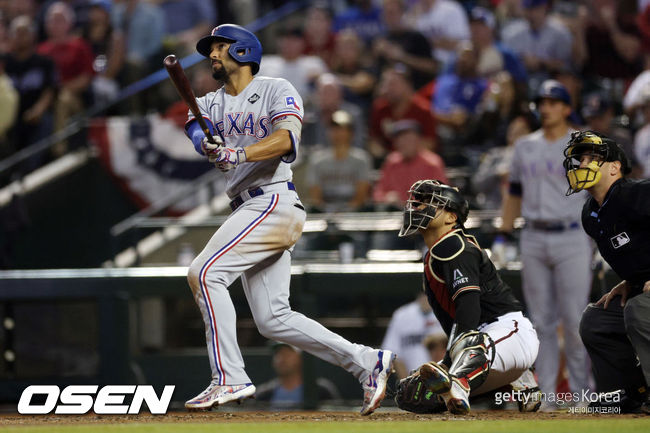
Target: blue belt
<point>552,226</point>
<point>254,192</point>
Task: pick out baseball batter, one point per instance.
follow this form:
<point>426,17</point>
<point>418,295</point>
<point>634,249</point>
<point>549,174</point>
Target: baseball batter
<point>555,253</point>
<point>257,121</point>
<point>491,343</point>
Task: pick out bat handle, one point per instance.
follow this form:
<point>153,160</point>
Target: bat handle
<point>209,136</point>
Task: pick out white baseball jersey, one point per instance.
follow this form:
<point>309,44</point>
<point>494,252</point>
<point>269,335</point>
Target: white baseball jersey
<point>249,117</point>
<point>406,332</point>
<point>537,165</point>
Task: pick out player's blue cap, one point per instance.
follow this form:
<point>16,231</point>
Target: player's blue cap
<point>553,89</point>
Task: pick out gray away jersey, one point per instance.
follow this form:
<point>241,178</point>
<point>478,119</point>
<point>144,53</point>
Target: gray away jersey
<point>537,165</point>
<point>249,117</point>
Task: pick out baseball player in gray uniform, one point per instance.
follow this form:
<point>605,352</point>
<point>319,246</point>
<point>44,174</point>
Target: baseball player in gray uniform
<point>555,253</point>
<point>257,123</point>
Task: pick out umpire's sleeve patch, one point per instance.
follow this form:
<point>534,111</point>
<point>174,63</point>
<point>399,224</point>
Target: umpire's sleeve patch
<point>448,247</point>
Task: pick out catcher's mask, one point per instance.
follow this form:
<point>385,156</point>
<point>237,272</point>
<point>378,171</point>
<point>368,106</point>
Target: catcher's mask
<point>426,197</point>
<point>600,149</point>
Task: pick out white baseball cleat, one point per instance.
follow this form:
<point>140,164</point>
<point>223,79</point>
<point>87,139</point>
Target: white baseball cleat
<point>374,387</point>
<point>215,395</point>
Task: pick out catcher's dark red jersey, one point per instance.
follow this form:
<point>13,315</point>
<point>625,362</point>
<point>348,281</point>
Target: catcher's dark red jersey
<point>456,266</point>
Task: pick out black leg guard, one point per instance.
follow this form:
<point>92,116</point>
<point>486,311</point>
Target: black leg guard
<point>469,358</point>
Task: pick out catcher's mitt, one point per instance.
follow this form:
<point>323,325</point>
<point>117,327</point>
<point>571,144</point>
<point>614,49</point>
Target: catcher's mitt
<point>412,395</point>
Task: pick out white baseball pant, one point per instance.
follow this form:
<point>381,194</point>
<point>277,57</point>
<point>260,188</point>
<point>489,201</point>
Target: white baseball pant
<point>254,243</point>
<point>516,345</point>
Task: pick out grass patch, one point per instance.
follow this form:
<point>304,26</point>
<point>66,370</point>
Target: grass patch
<point>531,425</point>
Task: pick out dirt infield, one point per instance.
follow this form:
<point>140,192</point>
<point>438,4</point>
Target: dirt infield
<point>264,417</point>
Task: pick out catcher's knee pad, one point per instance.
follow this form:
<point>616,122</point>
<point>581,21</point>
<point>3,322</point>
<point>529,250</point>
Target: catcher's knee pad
<point>470,359</point>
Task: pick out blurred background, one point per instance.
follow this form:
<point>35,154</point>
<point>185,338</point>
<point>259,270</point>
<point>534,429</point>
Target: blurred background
<point>104,202</point>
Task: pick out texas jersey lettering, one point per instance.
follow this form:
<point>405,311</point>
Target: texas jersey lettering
<point>247,118</point>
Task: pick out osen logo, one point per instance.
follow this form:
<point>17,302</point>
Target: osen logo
<point>79,399</point>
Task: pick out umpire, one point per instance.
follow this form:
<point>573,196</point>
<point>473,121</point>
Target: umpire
<point>615,330</point>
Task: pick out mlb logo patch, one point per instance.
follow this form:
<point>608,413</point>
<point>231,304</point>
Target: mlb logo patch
<point>291,102</point>
<point>253,99</point>
<point>619,240</point>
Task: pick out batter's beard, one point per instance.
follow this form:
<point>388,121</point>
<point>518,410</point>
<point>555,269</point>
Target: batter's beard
<point>220,75</point>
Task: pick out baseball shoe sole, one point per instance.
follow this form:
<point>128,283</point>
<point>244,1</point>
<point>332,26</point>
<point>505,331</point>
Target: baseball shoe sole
<point>216,395</point>
<point>436,378</point>
<point>375,388</point>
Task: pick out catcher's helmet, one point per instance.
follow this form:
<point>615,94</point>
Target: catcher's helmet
<point>600,148</point>
<point>244,48</point>
<point>553,89</point>
<point>425,198</point>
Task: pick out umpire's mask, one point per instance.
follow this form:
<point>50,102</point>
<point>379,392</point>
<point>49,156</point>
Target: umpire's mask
<point>426,197</point>
<point>599,149</point>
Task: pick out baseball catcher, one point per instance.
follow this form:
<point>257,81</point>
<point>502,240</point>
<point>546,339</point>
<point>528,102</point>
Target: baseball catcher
<point>491,343</point>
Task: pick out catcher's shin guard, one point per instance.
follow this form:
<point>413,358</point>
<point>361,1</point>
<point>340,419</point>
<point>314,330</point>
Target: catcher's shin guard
<point>469,358</point>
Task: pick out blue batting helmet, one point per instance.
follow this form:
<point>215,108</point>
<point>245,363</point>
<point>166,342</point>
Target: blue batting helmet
<point>244,45</point>
<point>553,89</point>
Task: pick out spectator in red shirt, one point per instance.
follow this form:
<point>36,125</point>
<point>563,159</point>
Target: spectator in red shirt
<point>397,100</point>
<point>408,163</point>
<point>73,60</point>
<point>319,37</point>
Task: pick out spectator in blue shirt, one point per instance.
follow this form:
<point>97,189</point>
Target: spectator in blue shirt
<point>186,21</point>
<point>143,23</point>
<point>364,18</point>
<point>459,92</point>
<point>493,57</point>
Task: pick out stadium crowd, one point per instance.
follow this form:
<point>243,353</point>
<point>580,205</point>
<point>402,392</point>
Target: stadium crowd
<point>463,74</point>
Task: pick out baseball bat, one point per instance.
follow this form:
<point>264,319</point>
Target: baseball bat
<point>182,84</point>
